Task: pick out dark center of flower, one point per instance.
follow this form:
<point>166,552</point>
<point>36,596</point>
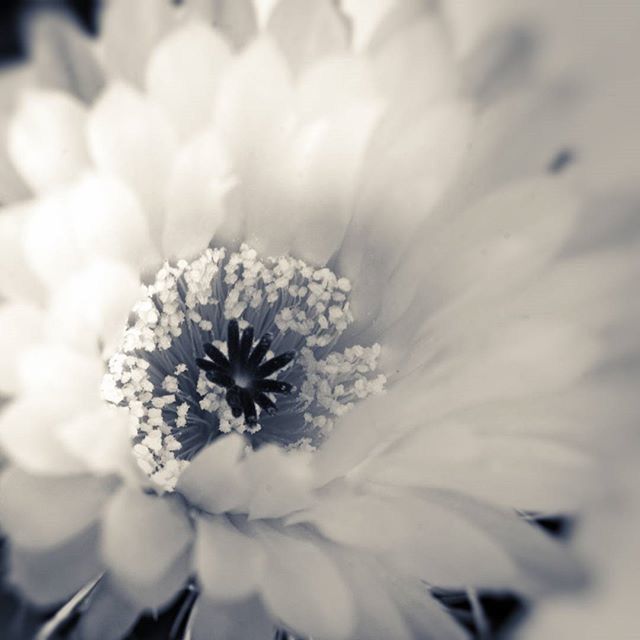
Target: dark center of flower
<point>244,373</point>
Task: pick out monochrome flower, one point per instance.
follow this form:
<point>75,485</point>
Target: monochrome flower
<point>273,335</point>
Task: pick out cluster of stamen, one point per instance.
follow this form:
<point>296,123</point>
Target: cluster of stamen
<point>230,342</point>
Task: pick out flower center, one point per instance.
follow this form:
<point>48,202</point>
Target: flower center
<point>230,342</point>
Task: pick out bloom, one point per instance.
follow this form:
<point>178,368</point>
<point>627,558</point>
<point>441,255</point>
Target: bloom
<point>263,348</point>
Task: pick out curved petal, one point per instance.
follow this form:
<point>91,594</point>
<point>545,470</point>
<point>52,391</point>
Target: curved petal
<point>20,327</point>
<point>184,73</point>
<point>29,438</point>
<point>229,563</point>
<point>215,480</point>
<point>148,19</point>
<point>246,620</point>
<point>17,279</point>
<point>46,138</point>
<point>200,179</point>
<point>91,309</point>
<point>52,576</point>
<point>44,512</point>
<point>131,138</point>
<point>109,222</point>
<point>306,33</point>
<point>302,586</point>
<point>145,540</point>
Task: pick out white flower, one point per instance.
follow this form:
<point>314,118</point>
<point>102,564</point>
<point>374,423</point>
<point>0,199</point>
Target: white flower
<point>261,344</point>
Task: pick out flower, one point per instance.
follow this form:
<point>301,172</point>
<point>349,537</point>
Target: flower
<point>280,335</point>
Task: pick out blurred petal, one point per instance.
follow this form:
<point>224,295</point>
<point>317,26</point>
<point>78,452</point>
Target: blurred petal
<point>184,73</point>
<point>144,543</point>
<point>90,311</point>
<point>302,586</point>
<point>111,615</point>
<point>246,620</point>
<point>20,327</point>
<point>52,576</point>
<point>228,562</point>
<point>64,56</point>
<point>215,481</point>
<point>46,138</point>
<point>131,138</point>
<point>150,20</point>
<point>43,512</point>
<point>306,33</point>
<point>17,278</point>
<point>200,178</point>
<point>109,222</point>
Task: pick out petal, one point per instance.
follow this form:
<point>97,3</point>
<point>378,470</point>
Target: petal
<point>58,376</point>
<point>46,139</point>
<point>131,138</point>
<point>52,576</point>
<point>64,57</point>
<point>20,327</point>
<point>544,562</point>
<point>92,307</point>
<point>331,158</point>
<point>148,19</point>
<point>302,586</point>
<point>108,221</point>
<point>396,180</point>
<point>229,563</point>
<point>111,615</point>
<point>215,480</point>
<point>280,481</point>
<point>184,73</point>
<point>43,512</point>
<point>307,32</point>
<point>28,437</point>
<point>418,538</point>
<point>17,278</point>
<point>145,539</point>
<point>50,246</point>
<point>246,620</point>
<point>531,473</point>
<point>99,438</point>
<point>200,178</point>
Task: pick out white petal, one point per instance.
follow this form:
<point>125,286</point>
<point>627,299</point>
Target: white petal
<point>109,222</point>
<point>92,307</point>
<point>406,176</point>
<point>131,138</point>
<point>46,139</point>
<point>307,32</point>
<point>302,586</point>
<point>50,245</point>
<point>200,178</point>
<point>28,435</point>
<point>42,512</point>
<point>330,158</point>
<point>215,480</point>
<point>148,19</point>
<point>184,73</point>
<point>530,473</point>
<point>58,375</point>
<point>246,620</point>
<point>420,539</point>
<point>20,327</point>
<point>229,563</point>
<point>143,537</point>
<point>17,278</point>
<point>279,481</point>
<point>99,438</point>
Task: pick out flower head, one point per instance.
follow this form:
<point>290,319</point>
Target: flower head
<point>267,354</point>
